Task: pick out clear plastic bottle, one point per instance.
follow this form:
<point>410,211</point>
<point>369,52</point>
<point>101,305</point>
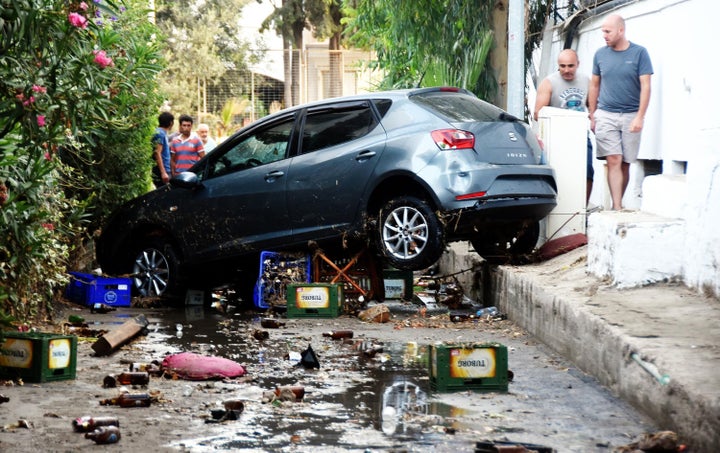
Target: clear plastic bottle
<point>487,312</point>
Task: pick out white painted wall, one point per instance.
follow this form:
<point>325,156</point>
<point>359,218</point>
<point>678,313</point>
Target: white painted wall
<point>682,128</point>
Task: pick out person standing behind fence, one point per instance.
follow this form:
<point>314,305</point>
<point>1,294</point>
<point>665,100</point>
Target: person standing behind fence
<point>568,89</point>
<point>186,148</point>
<point>203,131</point>
<point>618,99</point>
<point>161,149</point>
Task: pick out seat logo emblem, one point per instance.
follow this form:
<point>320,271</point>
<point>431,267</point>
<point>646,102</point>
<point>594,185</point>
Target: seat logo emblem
<point>512,136</point>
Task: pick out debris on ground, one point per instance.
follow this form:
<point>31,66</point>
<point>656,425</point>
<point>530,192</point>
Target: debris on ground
<point>379,313</point>
<point>117,337</point>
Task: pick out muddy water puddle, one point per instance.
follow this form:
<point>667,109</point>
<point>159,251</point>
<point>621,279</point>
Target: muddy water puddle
<point>365,396</point>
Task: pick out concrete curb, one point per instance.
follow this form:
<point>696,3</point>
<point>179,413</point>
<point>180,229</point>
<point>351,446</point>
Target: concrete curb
<point>672,329</point>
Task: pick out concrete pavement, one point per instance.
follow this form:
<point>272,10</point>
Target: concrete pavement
<point>657,346</point>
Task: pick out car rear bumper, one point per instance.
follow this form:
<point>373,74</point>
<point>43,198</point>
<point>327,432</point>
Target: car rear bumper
<point>468,222</point>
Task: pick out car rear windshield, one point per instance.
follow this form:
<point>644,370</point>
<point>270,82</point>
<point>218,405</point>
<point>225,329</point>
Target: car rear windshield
<point>457,107</point>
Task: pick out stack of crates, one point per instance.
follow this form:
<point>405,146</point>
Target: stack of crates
<point>469,366</point>
<point>277,271</point>
<point>38,357</point>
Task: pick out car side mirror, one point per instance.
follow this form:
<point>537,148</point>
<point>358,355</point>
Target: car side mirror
<point>185,180</point>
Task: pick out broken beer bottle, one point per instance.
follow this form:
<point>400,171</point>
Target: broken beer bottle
<point>128,400</point>
<point>101,308</point>
<point>339,334</point>
<point>153,368</point>
<point>290,392</point>
<point>127,378</point>
<point>88,423</point>
<point>104,435</point>
<point>271,323</point>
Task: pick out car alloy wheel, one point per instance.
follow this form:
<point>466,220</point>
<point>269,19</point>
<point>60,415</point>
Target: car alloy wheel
<point>411,236</point>
<point>152,272</point>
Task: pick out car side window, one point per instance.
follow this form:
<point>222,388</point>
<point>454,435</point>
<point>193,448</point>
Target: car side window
<point>333,125</point>
<point>260,147</point>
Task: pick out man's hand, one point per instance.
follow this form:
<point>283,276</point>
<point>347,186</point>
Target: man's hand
<point>636,124</point>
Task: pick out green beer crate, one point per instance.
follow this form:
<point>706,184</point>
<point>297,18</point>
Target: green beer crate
<point>314,300</point>
<point>38,357</point>
<point>398,284</point>
<point>471,366</point>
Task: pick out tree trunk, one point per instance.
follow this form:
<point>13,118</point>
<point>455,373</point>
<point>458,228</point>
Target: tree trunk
<point>336,66</point>
<point>287,69</point>
<point>298,45</point>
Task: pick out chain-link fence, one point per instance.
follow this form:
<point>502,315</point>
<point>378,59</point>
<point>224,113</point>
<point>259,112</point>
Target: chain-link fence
<point>283,78</point>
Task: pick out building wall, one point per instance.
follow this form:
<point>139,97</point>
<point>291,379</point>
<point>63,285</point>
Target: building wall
<point>682,127</point>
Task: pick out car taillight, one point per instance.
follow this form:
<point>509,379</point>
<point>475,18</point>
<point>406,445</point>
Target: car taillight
<point>453,139</point>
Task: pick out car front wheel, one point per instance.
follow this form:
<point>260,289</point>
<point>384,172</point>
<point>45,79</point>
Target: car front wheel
<point>155,270</point>
<point>411,236</point>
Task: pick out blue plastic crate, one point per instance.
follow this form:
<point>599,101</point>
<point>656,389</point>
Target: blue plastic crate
<point>277,270</point>
<point>89,289</point>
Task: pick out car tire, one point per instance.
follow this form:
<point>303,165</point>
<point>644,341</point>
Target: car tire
<point>411,235</point>
<point>155,270</point>
<point>509,242</point>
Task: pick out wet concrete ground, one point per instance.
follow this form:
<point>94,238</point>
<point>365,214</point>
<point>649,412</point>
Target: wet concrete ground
<point>351,402</point>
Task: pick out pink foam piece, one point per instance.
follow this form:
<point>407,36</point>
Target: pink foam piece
<point>196,367</point>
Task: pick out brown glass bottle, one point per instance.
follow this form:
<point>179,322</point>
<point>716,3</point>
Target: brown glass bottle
<point>297,390</point>
<point>271,323</point>
<point>127,378</point>
<point>128,400</point>
<point>133,378</point>
<point>153,368</point>
<point>339,334</point>
<point>104,435</point>
<point>87,423</point>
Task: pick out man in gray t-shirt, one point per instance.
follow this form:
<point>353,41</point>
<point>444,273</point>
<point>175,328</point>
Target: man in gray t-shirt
<point>567,89</point>
<point>618,99</point>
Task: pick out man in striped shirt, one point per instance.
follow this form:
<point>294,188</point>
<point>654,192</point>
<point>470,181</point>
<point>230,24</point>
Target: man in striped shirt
<point>186,148</point>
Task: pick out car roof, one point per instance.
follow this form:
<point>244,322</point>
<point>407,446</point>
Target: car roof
<point>388,94</point>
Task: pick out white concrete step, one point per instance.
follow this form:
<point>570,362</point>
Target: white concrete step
<point>635,248</point>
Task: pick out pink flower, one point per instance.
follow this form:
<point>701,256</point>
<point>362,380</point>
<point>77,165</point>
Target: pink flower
<point>41,120</point>
<point>102,59</point>
<point>83,6</point>
<point>39,89</point>
<point>77,20</point>
<point>48,226</point>
<point>48,156</point>
<point>29,101</point>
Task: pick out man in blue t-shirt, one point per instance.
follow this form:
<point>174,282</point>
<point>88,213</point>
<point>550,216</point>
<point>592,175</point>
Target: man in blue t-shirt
<point>618,99</point>
<point>161,149</point>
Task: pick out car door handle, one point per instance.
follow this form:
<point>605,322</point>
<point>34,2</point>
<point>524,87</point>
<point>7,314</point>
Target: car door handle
<point>273,175</point>
<point>364,155</point>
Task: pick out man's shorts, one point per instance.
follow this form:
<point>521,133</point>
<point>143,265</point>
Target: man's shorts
<point>613,136</point>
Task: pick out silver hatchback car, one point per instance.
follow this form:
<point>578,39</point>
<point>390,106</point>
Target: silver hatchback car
<point>403,171</point>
